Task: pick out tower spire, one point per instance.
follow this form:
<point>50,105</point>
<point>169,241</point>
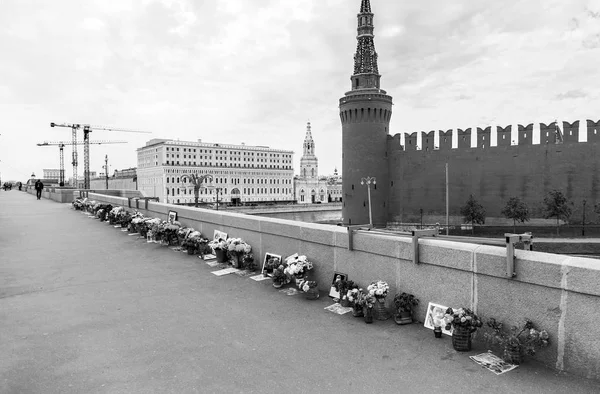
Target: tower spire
<point>365,6</point>
<point>366,73</point>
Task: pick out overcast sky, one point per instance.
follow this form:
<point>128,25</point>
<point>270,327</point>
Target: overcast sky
<point>256,71</point>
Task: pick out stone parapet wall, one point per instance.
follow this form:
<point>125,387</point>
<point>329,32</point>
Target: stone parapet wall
<point>559,293</point>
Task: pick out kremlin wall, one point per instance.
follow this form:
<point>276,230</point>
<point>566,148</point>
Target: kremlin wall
<point>493,174</point>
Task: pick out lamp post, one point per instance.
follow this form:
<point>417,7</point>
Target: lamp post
<point>421,210</point>
<point>583,221</point>
<point>368,180</point>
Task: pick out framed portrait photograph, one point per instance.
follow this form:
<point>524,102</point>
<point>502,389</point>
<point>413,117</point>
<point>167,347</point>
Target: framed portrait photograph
<point>219,235</point>
<point>270,262</point>
<point>172,216</point>
<point>435,317</point>
<point>333,293</point>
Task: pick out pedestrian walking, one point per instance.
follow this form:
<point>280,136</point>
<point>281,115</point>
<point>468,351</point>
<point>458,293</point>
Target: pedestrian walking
<point>39,186</point>
<point>20,185</point>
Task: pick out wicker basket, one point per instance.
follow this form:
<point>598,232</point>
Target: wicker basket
<point>461,339</point>
<point>513,356</point>
<point>380,311</point>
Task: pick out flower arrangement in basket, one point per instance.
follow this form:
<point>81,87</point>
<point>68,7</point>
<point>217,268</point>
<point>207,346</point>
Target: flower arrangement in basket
<point>195,243</point>
<point>518,341</point>
<point>309,287</point>
<point>405,304</point>
<point>342,286</point>
<point>297,266</point>
<point>463,322</point>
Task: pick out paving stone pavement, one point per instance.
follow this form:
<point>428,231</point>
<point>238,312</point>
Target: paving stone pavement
<point>85,308</point>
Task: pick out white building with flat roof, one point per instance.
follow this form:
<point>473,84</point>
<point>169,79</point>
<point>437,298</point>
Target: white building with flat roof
<point>240,173</point>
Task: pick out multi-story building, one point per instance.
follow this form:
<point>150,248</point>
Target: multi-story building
<point>240,173</point>
<point>51,173</point>
<point>309,187</point>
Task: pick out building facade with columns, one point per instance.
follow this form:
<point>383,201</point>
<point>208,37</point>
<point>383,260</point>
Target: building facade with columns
<point>240,173</point>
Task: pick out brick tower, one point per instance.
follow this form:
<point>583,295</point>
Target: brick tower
<point>365,112</point>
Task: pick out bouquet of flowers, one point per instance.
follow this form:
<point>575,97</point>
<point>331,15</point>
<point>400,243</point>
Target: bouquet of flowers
<point>525,338</point>
<point>366,300</point>
<point>279,276</point>
<point>79,204</point>
<point>170,231</point>
<point>195,243</point>
<point>136,220</point>
<point>461,317</point>
<point>342,286</point>
<point>378,289</point>
<point>113,214</point>
<point>124,219</point>
<point>306,285</point>
<point>353,295</point>
<point>237,245</point>
<point>153,227</point>
<point>271,264</point>
<point>297,266</point>
<point>248,262</point>
<point>218,244</point>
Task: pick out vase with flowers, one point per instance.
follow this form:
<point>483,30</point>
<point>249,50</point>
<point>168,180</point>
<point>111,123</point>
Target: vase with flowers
<point>517,341</point>
<point>219,247</point>
<point>309,287</point>
<point>405,303</point>
<point>367,301</point>
<point>249,263</point>
<point>379,291</point>
<point>342,286</point>
<point>279,277</point>
<point>236,248</point>
<point>297,267</point>
<point>354,295</point>
<point>463,323</point>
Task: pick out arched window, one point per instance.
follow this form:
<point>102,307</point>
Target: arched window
<point>313,170</point>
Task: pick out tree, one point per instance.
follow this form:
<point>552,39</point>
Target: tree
<point>556,205</point>
<point>473,212</point>
<point>196,182</point>
<point>516,210</point>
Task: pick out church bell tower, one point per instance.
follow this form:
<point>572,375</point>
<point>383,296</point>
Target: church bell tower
<point>365,112</point>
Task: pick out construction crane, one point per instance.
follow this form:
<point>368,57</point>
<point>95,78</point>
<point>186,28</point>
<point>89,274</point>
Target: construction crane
<point>61,145</point>
<point>87,129</point>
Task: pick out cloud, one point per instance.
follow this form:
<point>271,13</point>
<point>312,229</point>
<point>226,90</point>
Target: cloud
<point>571,94</point>
<point>256,71</point>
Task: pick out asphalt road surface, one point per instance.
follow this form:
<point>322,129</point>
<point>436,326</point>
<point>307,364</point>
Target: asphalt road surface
<point>85,308</point>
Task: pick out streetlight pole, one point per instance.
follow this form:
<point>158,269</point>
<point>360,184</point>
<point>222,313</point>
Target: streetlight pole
<point>106,170</point>
<point>583,221</point>
<point>368,180</point>
<point>421,210</point>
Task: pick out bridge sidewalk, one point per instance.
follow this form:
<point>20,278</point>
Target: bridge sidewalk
<point>85,308</point>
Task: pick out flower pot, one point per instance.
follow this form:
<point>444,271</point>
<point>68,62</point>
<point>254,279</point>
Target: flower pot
<point>235,260</point>
<point>513,355</point>
<point>357,311</point>
<point>368,314</point>
<point>312,294</point>
<point>191,251</point>
<point>403,318</point>
<point>380,311</point>
<point>345,303</point>
<point>277,285</point>
<point>437,331</point>
<point>461,339</point>
<point>221,255</point>
<point>299,279</point>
